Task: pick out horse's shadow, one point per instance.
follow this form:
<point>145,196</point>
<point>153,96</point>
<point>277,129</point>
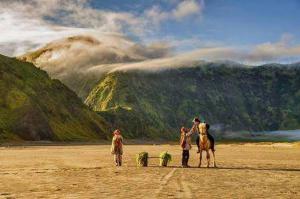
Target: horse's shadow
<point>233,168</point>
<point>258,169</point>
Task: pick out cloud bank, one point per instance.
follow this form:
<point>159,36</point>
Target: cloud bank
<point>29,24</point>
<point>259,54</point>
<point>97,39</point>
<point>89,55</point>
<point>80,53</point>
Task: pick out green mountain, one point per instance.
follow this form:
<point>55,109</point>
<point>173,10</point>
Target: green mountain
<point>35,107</point>
<point>228,96</point>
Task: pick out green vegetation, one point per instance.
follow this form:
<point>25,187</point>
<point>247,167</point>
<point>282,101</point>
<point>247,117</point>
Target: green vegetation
<point>157,104</point>
<point>35,107</point>
<point>165,158</point>
<point>142,159</point>
<point>150,105</point>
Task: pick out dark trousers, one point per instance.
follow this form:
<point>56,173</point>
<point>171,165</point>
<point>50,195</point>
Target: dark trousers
<point>198,141</point>
<point>185,157</point>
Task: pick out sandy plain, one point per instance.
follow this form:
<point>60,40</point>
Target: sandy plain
<point>256,170</point>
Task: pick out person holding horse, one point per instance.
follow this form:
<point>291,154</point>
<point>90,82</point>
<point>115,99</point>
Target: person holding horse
<point>186,145</point>
<point>117,147</point>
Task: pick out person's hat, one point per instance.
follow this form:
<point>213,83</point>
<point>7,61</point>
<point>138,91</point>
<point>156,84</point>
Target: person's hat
<point>196,119</point>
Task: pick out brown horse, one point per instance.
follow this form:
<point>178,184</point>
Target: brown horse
<point>205,144</point>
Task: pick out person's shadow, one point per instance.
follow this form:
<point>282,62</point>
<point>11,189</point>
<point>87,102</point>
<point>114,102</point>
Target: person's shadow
<point>232,168</point>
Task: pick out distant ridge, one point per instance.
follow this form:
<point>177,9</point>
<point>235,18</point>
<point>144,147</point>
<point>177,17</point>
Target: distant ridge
<point>157,104</point>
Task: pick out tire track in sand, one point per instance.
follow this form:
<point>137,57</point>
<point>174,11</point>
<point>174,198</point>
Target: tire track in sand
<point>186,189</point>
<point>183,186</point>
<point>164,181</point>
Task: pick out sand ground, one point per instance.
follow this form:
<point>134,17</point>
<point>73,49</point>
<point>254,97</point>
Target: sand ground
<point>244,171</point>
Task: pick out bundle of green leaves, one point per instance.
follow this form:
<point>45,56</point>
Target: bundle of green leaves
<point>165,158</point>
<point>142,159</point>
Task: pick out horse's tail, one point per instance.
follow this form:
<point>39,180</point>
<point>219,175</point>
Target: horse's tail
<point>212,142</point>
<point>213,147</point>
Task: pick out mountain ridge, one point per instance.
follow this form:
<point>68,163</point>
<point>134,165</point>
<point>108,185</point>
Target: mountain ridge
<point>159,103</point>
<point>35,107</point>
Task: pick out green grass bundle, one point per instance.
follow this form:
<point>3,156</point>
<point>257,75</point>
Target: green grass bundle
<point>142,159</point>
<point>165,158</point>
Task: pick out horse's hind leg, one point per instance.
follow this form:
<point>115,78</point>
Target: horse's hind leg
<point>213,152</point>
<point>200,159</point>
<point>207,158</point>
<point>120,160</point>
<point>116,159</point>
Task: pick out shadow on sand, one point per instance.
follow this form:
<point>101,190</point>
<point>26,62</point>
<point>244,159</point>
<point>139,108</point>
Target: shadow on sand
<point>233,168</point>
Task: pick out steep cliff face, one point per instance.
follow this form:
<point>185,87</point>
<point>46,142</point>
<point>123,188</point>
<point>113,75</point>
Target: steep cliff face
<point>35,107</point>
<point>156,104</point>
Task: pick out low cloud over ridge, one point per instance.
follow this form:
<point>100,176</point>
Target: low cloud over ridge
<point>80,53</point>
<point>86,54</point>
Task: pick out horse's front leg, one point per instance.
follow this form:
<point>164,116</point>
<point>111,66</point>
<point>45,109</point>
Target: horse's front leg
<point>120,159</point>
<point>207,158</point>
<point>200,158</point>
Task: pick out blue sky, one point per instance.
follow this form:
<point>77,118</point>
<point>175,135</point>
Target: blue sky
<point>263,30</point>
<point>231,22</point>
<point>251,22</point>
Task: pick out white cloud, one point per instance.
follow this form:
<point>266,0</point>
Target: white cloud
<point>67,13</point>
<point>183,9</point>
<point>19,34</point>
<point>274,51</point>
<point>156,15</point>
<point>186,8</point>
<point>29,24</point>
<point>36,22</point>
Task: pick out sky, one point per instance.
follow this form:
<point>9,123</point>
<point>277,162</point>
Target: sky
<point>250,32</point>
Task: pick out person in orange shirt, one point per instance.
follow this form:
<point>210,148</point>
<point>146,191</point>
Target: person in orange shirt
<point>117,147</point>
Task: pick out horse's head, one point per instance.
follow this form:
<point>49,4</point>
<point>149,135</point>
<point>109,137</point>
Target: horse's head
<point>203,128</point>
